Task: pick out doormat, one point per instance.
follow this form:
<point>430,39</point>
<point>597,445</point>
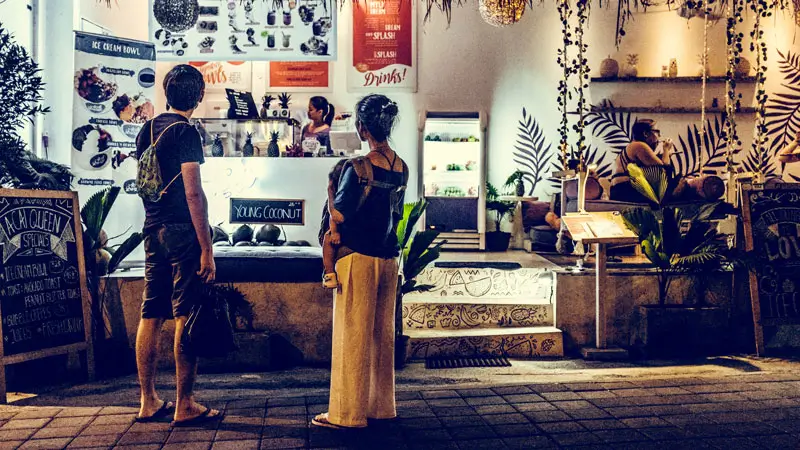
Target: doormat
<point>474,361</point>
<point>478,265</point>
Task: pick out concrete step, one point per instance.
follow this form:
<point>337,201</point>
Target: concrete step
<point>521,342</point>
<point>426,315</point>
<point>525,286</point>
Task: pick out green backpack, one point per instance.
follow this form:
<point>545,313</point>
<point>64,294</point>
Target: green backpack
<point>149,182</point>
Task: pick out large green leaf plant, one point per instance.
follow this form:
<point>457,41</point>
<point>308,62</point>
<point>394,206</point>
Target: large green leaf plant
<point>417,247</point>
<point>673,243</point>
<point>101,257</point>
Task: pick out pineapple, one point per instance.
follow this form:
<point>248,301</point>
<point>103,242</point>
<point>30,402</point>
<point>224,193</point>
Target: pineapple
<point>247,149</point>
<point>216,148</point>
<point>266,103</point>
<point>285,99</point>
<point>273,151</point>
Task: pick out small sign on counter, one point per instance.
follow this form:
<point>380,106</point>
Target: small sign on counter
<point>241,105</point>
<point>274,211</point>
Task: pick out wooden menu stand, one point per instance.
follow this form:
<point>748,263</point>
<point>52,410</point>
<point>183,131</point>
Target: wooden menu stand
<point>44,300</point>
<point>600,229</point>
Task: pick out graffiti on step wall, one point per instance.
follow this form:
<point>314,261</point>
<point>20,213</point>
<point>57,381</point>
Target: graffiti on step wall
<point>524,284</point>
<point>459,316</point>
<point>512,346</point>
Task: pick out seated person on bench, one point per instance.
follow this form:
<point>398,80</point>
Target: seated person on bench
<point>640,152</point>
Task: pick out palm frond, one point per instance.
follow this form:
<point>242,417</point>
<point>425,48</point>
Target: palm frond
<point>613,127</point>
<point>641,221</point>
<point>124,249</point>
<point>754,162</point>
<point>651,182</point>
<point>702,153</point>
<point>531,154</point>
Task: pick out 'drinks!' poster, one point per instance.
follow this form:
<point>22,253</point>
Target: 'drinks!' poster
<point>114,87</point>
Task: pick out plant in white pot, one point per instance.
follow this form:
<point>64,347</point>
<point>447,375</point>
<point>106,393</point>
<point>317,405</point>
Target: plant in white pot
<point>417,252</point>
<point>677,246</point>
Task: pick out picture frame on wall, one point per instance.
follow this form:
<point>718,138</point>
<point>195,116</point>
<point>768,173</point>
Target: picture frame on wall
<point>312,76</point>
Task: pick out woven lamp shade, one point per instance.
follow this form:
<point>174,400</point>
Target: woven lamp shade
<point>502,13</point>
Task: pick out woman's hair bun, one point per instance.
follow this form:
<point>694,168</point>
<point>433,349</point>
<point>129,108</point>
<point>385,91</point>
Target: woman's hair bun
<point>390,108</point>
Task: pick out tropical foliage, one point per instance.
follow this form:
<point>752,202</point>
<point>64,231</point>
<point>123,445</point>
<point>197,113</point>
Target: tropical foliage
<point>500,208</point>
<point>532,152</point>
<point>614,127</point>
<point>671,247</point>
<point>702,153</point>
<point>417,247</point>
<point>783,108</point>
<point>95,241</point>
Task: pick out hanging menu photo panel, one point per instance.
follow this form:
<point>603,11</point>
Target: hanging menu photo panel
<point>771,219</point>
<point>44,300</point>
<point>114,85</point>
<point>243,30</point>
<point>384,46</point>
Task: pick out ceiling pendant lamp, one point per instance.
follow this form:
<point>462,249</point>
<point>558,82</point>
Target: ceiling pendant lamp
<point>502,13</point>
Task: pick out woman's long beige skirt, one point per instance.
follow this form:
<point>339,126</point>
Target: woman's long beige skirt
<point>362,366</point>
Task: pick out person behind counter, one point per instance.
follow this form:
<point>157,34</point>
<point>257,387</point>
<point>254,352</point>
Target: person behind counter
<point>640,152</point>
<point>316,135</point>
<point>791,154</point>
<point>362,361</point>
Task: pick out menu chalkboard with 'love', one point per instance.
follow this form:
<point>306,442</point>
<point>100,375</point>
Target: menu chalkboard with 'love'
<point>43,294</point>
<point>771,219</point>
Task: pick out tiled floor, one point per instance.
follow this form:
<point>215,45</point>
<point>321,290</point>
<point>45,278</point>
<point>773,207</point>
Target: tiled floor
<point>693,413</point>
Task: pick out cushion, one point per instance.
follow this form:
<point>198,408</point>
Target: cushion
<point>268,264</point>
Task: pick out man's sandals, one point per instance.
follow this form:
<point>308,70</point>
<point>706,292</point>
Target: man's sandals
<point>206,416</point>
<point>161,413</point>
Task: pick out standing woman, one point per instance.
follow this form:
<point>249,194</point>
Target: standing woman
<point>362,364</point>
<point>317,133</point>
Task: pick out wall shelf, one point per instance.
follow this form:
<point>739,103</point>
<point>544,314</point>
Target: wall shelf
<point>655,110</point>
<point>716,79</point>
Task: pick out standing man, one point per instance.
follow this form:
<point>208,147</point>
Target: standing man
<point>177,243</point>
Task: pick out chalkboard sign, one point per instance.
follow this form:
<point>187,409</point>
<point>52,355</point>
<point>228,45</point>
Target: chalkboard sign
<point>43,293</point>
<point>242,105</point>
<point>274,211</point>
<point>771,219</point>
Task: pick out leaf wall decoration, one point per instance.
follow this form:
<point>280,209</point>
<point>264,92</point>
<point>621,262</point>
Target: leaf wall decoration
<point>530,151</point>
<point>694,146</point>
<point>614,128</point>
<point>783,107</point>
<point>593,156</point>
<point>754,163</point>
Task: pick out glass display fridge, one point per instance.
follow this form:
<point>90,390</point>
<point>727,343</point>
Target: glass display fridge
<point>454,177</point>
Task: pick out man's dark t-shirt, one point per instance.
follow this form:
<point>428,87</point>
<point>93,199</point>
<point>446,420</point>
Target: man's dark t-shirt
<point>180,144</point>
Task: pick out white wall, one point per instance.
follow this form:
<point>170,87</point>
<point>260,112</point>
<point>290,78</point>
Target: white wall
<point>467,65</point>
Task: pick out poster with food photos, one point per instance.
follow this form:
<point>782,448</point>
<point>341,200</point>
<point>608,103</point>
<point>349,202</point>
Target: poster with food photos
<point>114,89</point>
<point>243,30</point>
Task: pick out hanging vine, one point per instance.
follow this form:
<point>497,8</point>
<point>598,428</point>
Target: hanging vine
<point>735,17</point>
<point>762,10</point>
<point>581,68</point>
<point>564,94</point>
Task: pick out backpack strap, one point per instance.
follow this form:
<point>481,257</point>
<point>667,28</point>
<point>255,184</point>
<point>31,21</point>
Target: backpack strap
<point>363,168</point>
<point>154,143</point>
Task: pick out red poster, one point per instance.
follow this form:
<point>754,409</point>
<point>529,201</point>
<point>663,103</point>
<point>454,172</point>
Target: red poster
<point>299,74</point>
<point>383,45</point>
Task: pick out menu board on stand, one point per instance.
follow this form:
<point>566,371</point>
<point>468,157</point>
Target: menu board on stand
<point>43,294</point>
<point>771,219</point>
<point>384,46</point>
<point>114,90</point>
<point>243,30</point>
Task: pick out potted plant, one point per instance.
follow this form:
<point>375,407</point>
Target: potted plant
<point>517,181</point>
<point>497,240</point>
<point>417,251</point>
<point>677,246</point>
<point>101,259</point>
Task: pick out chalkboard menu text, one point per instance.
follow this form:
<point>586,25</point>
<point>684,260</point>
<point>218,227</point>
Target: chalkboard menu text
<point>241,105</point>
<point>772,231</point>
<point>277,212</point>
<point>42,276</point>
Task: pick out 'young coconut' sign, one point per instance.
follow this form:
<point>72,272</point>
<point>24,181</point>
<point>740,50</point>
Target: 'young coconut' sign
<point>274,211</point>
